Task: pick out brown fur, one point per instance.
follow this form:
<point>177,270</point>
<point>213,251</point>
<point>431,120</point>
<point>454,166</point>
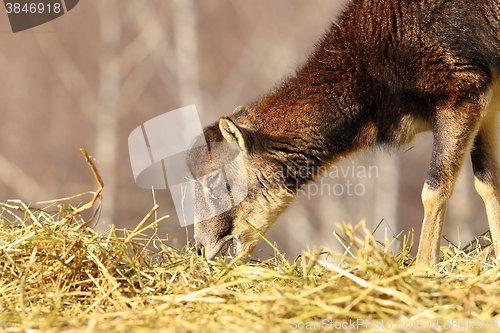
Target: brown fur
<point>384,72</point>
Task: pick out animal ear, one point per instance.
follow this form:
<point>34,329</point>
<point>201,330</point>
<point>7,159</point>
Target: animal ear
<point>232,133</point>
<point>239,109</point>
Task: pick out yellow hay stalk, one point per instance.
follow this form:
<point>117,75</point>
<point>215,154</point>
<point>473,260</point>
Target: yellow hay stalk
<point>59,275</point>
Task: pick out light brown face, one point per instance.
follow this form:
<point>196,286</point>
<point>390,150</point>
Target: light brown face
<point>233,190</point>
<point>221,185</point>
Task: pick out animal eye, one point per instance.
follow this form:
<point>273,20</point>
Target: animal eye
<point>214,181</point>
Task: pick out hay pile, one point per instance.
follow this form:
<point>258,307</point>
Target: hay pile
<point>58,275</point>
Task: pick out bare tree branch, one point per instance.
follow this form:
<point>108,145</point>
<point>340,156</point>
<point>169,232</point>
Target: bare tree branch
<point>152,42</point>
<point>14,177</point>
<point>186,50</point>
<point>106,143</point>
<point>71,77</point>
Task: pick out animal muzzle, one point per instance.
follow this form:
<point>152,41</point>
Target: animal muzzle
<point>211,249</point>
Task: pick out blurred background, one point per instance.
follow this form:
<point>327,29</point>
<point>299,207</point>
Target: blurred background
<point>88,78</point>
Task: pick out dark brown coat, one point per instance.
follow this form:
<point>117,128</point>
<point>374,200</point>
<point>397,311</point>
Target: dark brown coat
<point>385,71</point>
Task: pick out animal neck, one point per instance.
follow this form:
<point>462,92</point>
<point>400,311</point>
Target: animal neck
<point>314,117</point>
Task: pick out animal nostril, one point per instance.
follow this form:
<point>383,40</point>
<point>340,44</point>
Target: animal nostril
<point>199,248</point>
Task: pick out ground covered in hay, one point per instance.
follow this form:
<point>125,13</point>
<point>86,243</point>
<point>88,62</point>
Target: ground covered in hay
<point>58,275</point>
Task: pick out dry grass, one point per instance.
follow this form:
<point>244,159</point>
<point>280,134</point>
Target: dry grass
<point>58,275</point>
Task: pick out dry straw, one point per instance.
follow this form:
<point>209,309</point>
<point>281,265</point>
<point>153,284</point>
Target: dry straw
<point>58,275</point>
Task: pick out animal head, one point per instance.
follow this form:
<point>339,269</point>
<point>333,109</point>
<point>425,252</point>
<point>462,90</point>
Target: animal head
<point>238,185</point>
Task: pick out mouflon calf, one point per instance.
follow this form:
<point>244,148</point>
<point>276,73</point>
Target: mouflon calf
<point>385,71</point>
